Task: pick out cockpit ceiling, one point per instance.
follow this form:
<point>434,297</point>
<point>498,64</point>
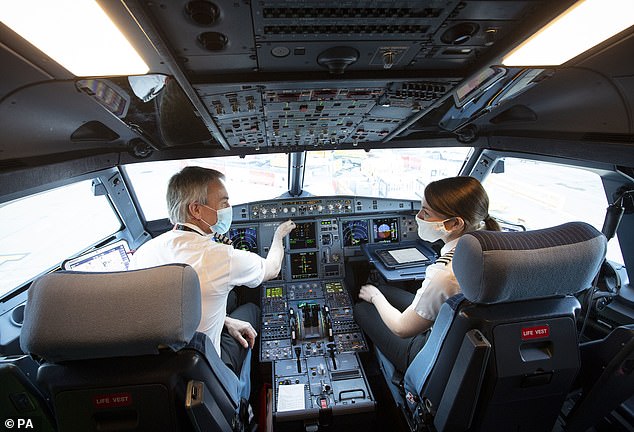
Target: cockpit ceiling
<point>283,75</point>
<point>291,36</point>
<point>341,73</point>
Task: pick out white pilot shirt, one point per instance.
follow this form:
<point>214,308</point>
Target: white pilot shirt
<point>220,267</point>
<point>440,283</point>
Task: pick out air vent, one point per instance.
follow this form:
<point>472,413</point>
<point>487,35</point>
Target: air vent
<point>300,13</point>
<point>213,41</point>
<point>202,12</point>
<point>460,33</point>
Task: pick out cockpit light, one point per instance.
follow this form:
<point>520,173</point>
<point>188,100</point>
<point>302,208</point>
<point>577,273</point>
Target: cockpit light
<point>584,25</point>
<point>78,35</point>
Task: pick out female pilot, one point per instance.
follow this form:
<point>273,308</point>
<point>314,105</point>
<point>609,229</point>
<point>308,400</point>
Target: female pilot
<point>397,320</point>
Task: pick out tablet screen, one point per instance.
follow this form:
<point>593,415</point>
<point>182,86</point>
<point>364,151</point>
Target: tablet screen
<point>109,258</point>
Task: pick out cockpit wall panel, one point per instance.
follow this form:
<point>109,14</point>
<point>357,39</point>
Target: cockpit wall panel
<point>573,100</point>
<point>41,119</point>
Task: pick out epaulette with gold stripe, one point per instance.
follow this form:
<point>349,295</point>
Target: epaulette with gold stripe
<point>446,258</point>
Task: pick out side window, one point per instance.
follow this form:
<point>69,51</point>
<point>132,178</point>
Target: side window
<point>42,230</point>
<point>541,194</point>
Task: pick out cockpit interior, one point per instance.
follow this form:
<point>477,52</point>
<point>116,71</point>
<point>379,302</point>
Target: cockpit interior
<point>335,115</point>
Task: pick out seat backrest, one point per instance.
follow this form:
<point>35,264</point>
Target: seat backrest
<point>118,351</point>
<point>510,337</point>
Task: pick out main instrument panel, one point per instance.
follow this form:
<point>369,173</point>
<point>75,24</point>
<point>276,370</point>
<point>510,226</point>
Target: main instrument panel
<point>308,331</point>
<point>328,230</point>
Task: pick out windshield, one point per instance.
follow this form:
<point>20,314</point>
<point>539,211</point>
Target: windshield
<point>383,173</point>
<point>389,173</point>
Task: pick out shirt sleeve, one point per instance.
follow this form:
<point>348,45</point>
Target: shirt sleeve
<point>246,268</point>
<point>439,284</point>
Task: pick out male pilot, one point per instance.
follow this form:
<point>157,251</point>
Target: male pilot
<point>198,205</point>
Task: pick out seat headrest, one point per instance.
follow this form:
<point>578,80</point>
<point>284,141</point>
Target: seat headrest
<point>498,267</point>
<point>74,315</point>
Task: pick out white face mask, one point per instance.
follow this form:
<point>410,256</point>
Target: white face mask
<point>432,231</point>
<point>224,216</point>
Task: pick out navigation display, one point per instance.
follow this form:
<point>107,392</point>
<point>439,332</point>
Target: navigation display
<point>385,230</point>
<point>303,236</point>
<point>355,232</point>
<point>244,238</point>
<point>304,265</point>
<point>109,258</point>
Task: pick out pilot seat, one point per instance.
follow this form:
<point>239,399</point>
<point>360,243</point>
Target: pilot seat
<point>120,351</point>
<point>503,354</point>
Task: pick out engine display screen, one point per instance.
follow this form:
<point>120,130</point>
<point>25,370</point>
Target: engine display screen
<point>304,265</point>
<point>303,236</point>
<point>244,238</point>
<point>385,230</point>
<point>275,292</point>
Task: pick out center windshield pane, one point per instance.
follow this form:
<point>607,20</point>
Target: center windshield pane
<point>384,173</point>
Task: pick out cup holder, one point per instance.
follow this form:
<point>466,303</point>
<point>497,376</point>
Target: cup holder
<point>17,315</point>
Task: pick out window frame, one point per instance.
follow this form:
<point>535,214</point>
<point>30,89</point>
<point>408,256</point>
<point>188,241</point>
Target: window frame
<point>118,202</point>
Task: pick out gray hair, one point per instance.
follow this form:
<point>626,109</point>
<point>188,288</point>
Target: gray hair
<point>188,186</point>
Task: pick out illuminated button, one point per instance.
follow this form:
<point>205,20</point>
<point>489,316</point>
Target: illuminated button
<point>285,209</point>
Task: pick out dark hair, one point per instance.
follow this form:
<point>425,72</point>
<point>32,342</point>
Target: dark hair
<point>188,186</point>
<point>462,197</point>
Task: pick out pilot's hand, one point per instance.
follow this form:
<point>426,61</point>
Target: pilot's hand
<point>368,292</point>
<point>241,331</point>
<point>284,228</point>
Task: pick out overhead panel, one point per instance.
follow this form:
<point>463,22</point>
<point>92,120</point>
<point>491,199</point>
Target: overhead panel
<point>279,115</point>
